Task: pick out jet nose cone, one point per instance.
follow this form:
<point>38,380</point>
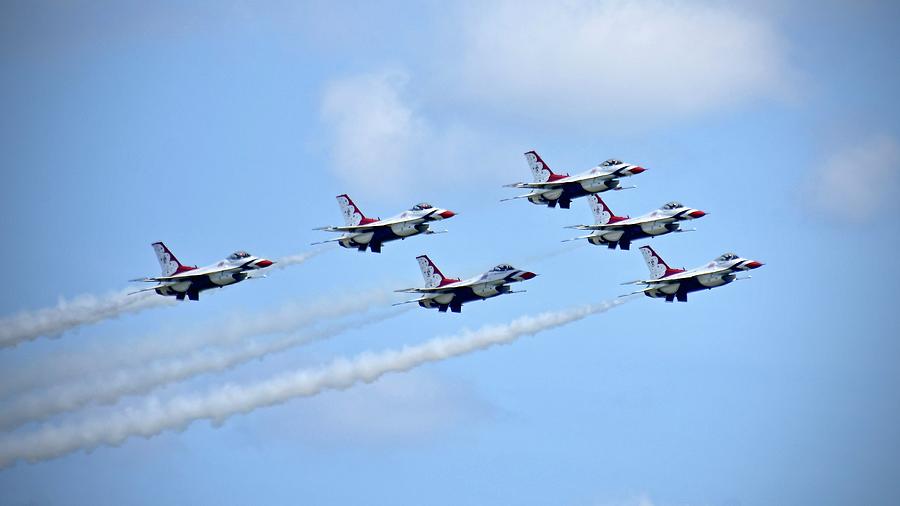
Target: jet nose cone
<point>697,214</point>
<point>528,275</point>
<point>753,264</point>
<point>447,214</point>
<point>636,170</point>
<point>264,263</point>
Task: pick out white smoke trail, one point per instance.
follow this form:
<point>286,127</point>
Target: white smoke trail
<point>136,380</point>
<point>155,416</point>
<point>159,345</point>
<point>281,263</point>
<point>86,309</point>
<point>68,314</point>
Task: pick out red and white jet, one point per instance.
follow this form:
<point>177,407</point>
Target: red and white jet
<point>551,189</point>
<point>674,284</point>
<point>613,230</point>
<point>443,292</point>
<point>361,232</point>
<point>179,280</point>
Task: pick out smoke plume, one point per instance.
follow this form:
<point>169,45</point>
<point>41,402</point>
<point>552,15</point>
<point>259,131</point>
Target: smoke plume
<point>68,314</point>
<point>136,353</point>
<point>140,379</point>
<point>154,416</point>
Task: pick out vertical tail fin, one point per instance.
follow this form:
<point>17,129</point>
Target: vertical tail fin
<point>540,170</point>
<point>602,213</point>
<point>352,215</point>
<point>167,261</point>
<point>657,266</point>
<point>432,275</point>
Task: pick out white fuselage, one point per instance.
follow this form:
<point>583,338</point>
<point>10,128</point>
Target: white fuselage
<point>223,273</point>
<point>487,285</point>
<point>655,223</point>
<point>408,223</point>
<point>711,275</point>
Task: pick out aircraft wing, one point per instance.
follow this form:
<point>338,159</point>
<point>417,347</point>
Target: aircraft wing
<point>379,223</point>
<point>193,273</point>
<point>682,276</point>
<point>452,287</point>
<point>628,222</point>
<point>547,185</point>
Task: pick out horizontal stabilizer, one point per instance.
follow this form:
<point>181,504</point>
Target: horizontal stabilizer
<point>645,290</point>
<point>325,242</point>
<point>528,195</point>
<point>580,237</point>
<point>420,299</point>
<point>147,289</point>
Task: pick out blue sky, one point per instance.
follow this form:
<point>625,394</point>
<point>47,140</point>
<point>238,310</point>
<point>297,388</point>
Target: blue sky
<point>221,127</point>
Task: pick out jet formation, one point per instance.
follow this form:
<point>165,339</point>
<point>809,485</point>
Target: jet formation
<point>548,188</point>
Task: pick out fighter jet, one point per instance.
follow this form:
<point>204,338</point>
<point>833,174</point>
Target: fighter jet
<point>613,230</point>
<point>674,284</point>
<point>443,292</point>
<point>361,232</point>
<point>179,280</point>
<point>551,189</point>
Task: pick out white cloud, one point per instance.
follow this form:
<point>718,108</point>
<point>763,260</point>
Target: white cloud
<point>382,144</point>
<point>604,60</point>
<point>375,132</point>
<point>400,408</point>
<point>639,500</point>
<point>856,181</point>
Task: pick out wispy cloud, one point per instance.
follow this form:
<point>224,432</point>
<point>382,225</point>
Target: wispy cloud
<point>637,500</point>
<point>155,416</point>
<point>401,409</point>
<point>382,143</point>
<point>615,62</point>
<point>375,132</point>
<point>857,180</point>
